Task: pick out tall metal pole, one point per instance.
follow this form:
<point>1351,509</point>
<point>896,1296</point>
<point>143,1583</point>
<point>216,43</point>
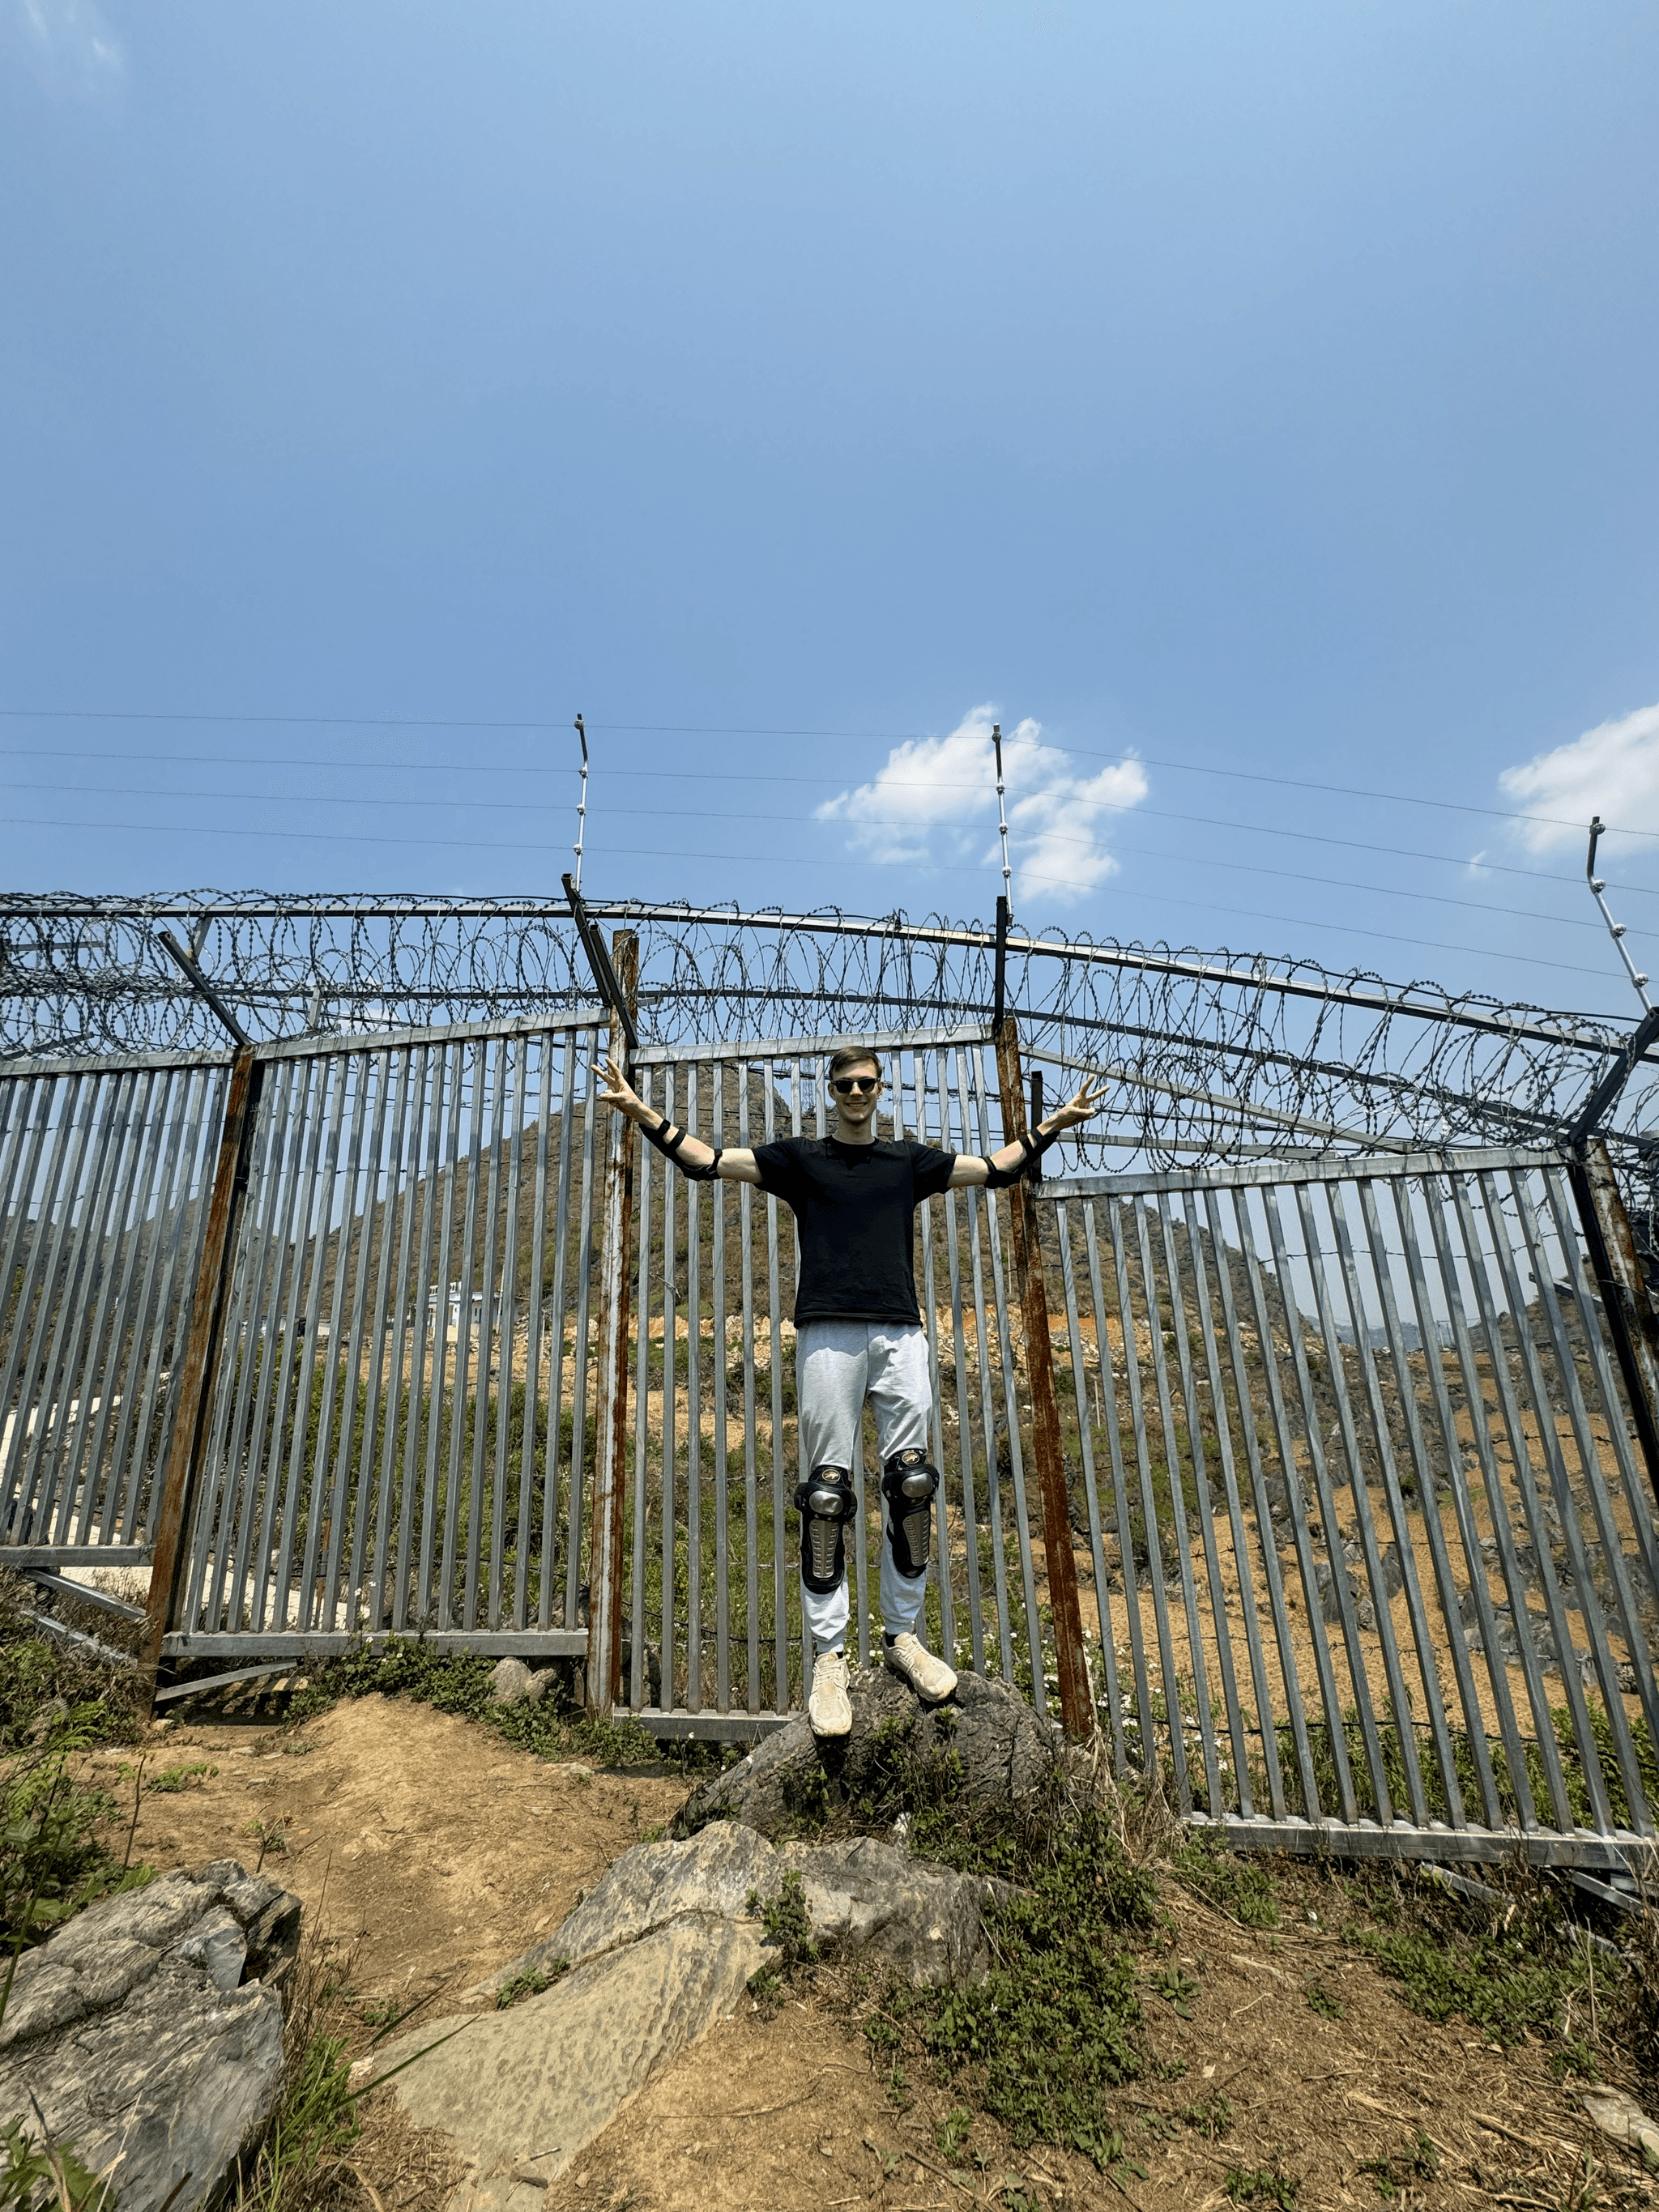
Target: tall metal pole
<point>201,1357</point>
<point>611,1453</point>
<point>1076,1700</point>
<point>1005,902</point>
<point>581,804</point>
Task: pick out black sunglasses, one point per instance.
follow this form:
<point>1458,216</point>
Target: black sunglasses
<point>847,1085</point>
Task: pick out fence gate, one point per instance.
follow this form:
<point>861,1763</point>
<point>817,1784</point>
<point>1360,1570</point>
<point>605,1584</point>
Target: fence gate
<point>1375,1567</point>
<point>105,1166</point>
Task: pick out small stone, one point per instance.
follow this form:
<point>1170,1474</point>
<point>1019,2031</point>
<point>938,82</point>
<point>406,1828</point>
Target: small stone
<point>509,1682</point>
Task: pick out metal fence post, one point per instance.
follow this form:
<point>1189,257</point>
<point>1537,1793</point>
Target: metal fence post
<point>611,1452</point>
<point>1076,1700</point>
<point>201,1358</point>
<point>1631,1322</point>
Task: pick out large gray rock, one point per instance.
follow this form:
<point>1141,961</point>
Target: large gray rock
<point>523,2093</point>
<point>860,1893</point>
<point>988,1739</point>
<point>149,2031</point>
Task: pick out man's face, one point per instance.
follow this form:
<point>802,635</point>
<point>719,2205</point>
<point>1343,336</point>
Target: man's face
<point>856,1090</point>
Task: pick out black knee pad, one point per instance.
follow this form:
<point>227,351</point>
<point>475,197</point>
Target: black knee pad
<point>908,1484</point>
<point>826,1504</point>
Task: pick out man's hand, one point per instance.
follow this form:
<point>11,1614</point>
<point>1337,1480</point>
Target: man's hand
<point>1089,1098</point>
<point>618,1091</point>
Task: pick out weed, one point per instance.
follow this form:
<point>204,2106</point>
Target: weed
<point>766,1987</point>
<point>952,2131</point>
<point>1512,1980</point>
<point>1176,1988</point>
<point>272,1835</point>
<point>52,1861</point>
<point>788,1923</point>
<point>530,1984</point>
<point>1394,2174</point>
<point>1321,2000</point>
<point>48,2175</point>
<point>1240,1885</point>
<point>1571,2057</point>
<point>173,1779</point>
<point>1261,2185</point>
<point>898,2090</point>
<point>1212,2118</point>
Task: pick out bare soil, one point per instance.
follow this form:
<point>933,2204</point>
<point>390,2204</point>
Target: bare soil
<point>436,1853</point>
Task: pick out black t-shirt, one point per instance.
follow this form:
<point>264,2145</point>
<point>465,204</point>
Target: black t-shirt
<point>853,1206</point>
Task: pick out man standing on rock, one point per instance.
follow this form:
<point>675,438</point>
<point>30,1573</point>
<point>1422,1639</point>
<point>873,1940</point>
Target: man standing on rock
<point>859,1336</point>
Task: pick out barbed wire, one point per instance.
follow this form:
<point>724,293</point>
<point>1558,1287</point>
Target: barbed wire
<point>1204,1051</point>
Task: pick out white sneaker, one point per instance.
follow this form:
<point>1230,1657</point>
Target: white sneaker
<point>930,1678</point>
<point>829,1710</point>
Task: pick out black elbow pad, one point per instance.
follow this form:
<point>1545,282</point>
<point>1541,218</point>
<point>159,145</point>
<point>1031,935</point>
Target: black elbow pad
<point>707,1174</point>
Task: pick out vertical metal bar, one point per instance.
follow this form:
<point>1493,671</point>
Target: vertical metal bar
<point>434,1606</point>
<point>340,1371</point>
<point>1329,1518</point>
<point>640,1680</point>
<point>1631,1322</point>
<point>1423,1468</point>
<point>1086,1450</point>
<point>219,1490</point>
<point>384,1375</point>
<point>241,1452</point>
<point>975,1199</point>
<point>32,1313</point>
<point>1197,1456</point>
<point>717,1306</point>
<point>1564,1507</point>
<point>1491,1326</point>
<point>1497,1668</point>
<point>533,1334</point>
<point>34,1122</point>
<point>555,1346</point>
<point>583,1358</point>
<point>1149,1504</point>
<point>1011,1404</point>
<point>1330,1696</point>
<point>965,1401</point>
<point>425,1299</point>
<point>694,1631</point>
<point>1121,1504</point>
<point>611,1444</point>
<point>751,1469</point>
<point>464,1366</point>
<point>1627,1614</point>
<point>194,1383</point>
<point>320,1206</point>
<point>670,1354</point>
<point>1298,1521</point>
<point>1399,1693</point>
<point>489,1314</point>
<point>1434,1369</point>
<point>124,1361</point>
<point>507,1339</point>
<point>780,1701</point>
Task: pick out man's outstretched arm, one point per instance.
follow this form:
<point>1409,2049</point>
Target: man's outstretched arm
<point>701,1162</point>
<point>1007,1165</point>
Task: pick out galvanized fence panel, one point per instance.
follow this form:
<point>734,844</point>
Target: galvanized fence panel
<point>712,1606</point>
<point>1373,1560</point>
<point>106,1169</point>
<point>400,1432</point>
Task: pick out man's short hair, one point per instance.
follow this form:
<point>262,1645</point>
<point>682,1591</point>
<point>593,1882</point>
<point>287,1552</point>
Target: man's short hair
<point>852,1055</point>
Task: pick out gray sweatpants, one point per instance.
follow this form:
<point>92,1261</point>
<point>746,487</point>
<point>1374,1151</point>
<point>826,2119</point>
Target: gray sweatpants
<point>838,1365</point>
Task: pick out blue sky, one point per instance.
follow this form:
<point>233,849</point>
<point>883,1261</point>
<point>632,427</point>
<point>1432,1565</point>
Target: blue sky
<point>1267,394</point>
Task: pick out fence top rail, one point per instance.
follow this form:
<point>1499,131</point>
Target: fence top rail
<point>336,1045</point>
<point>108,1063</point>
<point>342,1043</point>
<point>812,1047</point>
<point>1350,1167</point>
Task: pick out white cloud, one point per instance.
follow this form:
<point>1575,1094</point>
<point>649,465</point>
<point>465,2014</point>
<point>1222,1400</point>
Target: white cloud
<point>1613,770</point>
<point>71,44</point>
<point>934,796</point>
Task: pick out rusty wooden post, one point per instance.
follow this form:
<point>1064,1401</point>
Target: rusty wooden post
<point>611,1452</point>
<point>1076,1700</point>
<point>201,1358</point>
<point>1631,1322</point>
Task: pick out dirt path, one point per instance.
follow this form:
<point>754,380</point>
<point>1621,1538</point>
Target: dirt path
<point>438,1850</point>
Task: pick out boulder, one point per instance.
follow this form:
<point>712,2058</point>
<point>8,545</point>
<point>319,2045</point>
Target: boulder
<point>524,2091</point>
<point>513,1683</point>
<point>861,1893</point>
<point>997,1748</point>
<point>148,2032</point>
